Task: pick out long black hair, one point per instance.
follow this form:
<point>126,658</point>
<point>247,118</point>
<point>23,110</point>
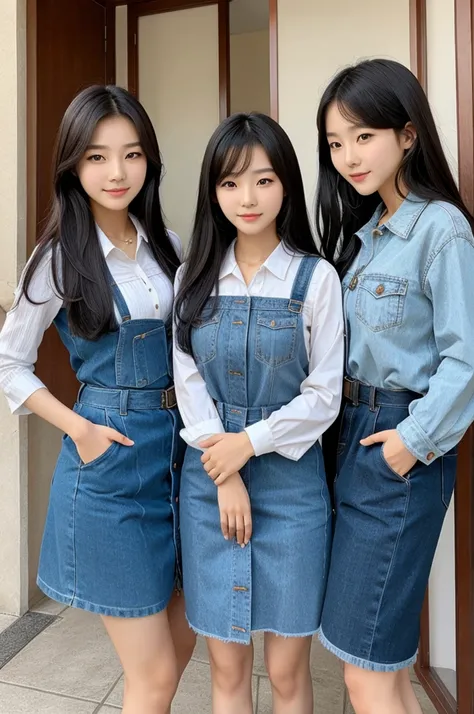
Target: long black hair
<point>380,94</point>
<point>78,265</point>
<point>230,148</point>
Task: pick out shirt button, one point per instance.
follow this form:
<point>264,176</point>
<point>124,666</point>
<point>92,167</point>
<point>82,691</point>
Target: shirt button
<point>430,456</point>
<point>380,290</point>
<point>156,307</point>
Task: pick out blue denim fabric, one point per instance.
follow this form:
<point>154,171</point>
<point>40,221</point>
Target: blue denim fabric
<point>111,539</point>
<point>409,301</point>
<point>251,353</point>
<point>385,535</point>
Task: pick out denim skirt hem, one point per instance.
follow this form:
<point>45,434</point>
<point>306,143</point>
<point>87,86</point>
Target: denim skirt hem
<point>240,641</point>
<point>107,611</point>
<point>365,663</point>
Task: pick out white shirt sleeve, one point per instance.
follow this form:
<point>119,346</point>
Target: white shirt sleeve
<point>295,427</point>
<point>196,407</point>
<point>21,337</point>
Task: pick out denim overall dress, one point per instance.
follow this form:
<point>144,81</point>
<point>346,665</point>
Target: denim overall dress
<point>251,353</point>
<point>111,540</point>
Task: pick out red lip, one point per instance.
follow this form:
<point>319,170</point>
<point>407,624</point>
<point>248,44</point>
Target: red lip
<point>116,191</point>
<point>359,177</point>
<point>250,216</point>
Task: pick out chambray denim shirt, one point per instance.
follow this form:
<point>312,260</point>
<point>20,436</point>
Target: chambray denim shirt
<point>409,312</point>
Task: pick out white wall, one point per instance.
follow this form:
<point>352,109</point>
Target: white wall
<point>250,72</point>
<point>179,87</point>
<point>13,430</point>
<point>315,39</point>
<point>442,95</point>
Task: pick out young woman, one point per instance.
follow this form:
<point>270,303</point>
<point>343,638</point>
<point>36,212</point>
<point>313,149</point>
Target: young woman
<point>103,273</point>
<point>258,369</point>
<point>392,220</point>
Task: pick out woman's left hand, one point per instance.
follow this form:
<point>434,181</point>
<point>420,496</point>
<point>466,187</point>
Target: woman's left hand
<point>394,450</point>
<point>225,455</point>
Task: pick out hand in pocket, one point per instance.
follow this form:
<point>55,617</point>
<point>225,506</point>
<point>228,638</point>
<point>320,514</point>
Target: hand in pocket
<point>95,441</point>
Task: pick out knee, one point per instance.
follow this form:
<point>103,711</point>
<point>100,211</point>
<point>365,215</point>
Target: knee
<point>368,691</point>
<point>230,676</point>
<point>285,679</point>
<point>155,686</point>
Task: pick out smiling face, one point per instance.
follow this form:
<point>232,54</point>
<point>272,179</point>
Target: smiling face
<point>113,169</point>
<point>367,158</point>
<point>252,200</point>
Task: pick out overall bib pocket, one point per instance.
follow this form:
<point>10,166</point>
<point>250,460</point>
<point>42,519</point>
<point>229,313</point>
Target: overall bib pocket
<point>142,354</point>
<point>275,339</point>
<point>204,337</point>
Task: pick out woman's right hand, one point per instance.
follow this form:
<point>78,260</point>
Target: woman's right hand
<point>94,440</point>
<point>235,511</point>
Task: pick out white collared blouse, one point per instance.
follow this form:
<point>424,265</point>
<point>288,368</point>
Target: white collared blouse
<point>145,288</point>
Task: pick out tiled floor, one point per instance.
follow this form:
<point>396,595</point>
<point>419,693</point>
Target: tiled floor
<point>71,668</point>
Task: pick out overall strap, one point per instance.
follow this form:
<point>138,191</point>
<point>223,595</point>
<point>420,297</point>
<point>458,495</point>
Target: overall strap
<point>118,297</point>
<point>302,281</point>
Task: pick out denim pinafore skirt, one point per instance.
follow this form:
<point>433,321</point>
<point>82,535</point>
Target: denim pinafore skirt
<point>111,539</point>
<point>251,353</point>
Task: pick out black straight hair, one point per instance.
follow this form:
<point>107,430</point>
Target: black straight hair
<point>79,270</point>
<point>377,94</point>
<point>229,152</point>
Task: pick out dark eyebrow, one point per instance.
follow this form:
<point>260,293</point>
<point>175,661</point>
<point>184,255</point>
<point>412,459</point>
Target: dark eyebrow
<point>125,146</point>
<point>264,171</point>
<point>352,127</point>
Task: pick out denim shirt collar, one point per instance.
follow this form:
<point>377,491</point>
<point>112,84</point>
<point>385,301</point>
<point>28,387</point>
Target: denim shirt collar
<point>401,223</point>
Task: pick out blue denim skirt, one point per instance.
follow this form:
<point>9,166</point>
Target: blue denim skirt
<point>277,582</point>
<point>111,539</point>
<point>385,536</point>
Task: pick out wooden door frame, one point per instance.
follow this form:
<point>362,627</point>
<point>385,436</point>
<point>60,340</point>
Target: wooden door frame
<point>31,108</point>
<point>464,493</point>
<point>153,7</point>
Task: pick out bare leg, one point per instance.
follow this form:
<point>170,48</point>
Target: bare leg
<point>407,693</point>
<point>183,637</point>
<point>374,692</point>
<point>231,671</point>
<point>146,651</point>
<point>287,662</point>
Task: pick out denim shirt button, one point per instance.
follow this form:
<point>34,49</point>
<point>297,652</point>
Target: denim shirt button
<point>430,456</point>
<point>380,290</point>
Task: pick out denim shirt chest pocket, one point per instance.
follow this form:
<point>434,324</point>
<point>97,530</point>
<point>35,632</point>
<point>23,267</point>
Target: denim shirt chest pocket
<point>204,336</point>
<point>380,300</point>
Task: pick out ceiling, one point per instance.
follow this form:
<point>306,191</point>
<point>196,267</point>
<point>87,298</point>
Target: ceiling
<point>248,16</point>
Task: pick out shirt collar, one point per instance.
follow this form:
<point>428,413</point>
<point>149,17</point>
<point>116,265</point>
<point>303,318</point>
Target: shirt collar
<point>277,263</point>
<point>401,223</point>
<point>108,246</point>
